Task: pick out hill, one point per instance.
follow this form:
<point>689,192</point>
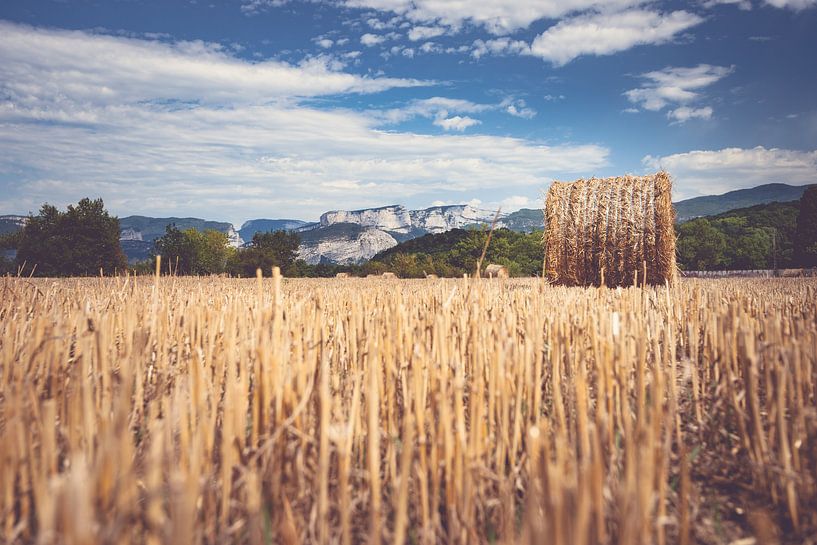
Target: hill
<point>456,252</point>
<point>710,205</point>
<point>149,229</point>
<point>250,227</point>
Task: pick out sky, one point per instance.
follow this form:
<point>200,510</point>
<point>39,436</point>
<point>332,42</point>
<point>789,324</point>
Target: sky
<point>239,109</point>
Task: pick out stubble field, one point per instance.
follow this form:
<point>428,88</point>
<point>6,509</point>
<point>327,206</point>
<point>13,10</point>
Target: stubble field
<point>210,410</point>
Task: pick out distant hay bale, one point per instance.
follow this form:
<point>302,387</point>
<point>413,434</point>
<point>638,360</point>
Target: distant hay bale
<point>389,275</point>
<point>432,276</point>
<point>496,271</point>
<point>342,275</point>
<point>611,231</point>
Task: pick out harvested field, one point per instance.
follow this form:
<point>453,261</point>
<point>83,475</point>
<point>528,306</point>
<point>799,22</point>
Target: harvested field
<point>181,410</point>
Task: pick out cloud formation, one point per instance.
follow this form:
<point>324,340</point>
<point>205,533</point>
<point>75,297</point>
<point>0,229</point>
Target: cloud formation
<point>425,32</point>
<point>607,33</point>
<point>676,88</point>
<point>57,70</point>
<point>711,172</point>
<point>497,16</point>
<point>172,128</point>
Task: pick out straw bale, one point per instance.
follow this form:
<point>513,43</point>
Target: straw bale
<point>612,231</point>
<point>496,271</point>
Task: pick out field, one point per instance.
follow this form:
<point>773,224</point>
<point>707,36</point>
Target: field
<point>183,410</point>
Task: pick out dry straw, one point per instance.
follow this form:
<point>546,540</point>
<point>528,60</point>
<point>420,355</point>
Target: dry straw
<point>251,411</point>
<point>610,231</point>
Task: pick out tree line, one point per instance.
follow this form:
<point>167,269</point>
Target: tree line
<point>83,240</point>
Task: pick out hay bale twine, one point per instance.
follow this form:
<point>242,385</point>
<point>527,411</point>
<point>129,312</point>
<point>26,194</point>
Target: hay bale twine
<point>612,231</point>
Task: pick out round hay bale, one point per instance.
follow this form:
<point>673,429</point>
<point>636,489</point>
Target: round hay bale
<point>611,231</point>
<point>496,271</point>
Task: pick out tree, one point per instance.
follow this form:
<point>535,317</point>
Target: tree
<point>175,249</point>
<point>78,242</point>
<point>267,250</point>
<point>192,251</point>
<point>805,238</point>
<point>701,246</point>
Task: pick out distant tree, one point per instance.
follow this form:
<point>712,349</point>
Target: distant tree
<point>455,252</point>
<point>267,250</point>
<point>192,251</point>
<point>805,238</point>
<point>700,245</point>
<point>78,242</point>
<point>175,249</point>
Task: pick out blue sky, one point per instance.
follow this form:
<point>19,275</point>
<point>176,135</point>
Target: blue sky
<point>244,109</point>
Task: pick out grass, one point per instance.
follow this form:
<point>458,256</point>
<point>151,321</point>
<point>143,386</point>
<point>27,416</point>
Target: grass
<point>211,410</point>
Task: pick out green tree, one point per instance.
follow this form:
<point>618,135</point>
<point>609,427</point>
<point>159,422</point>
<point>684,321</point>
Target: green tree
<point>267,250</point>
<point>700,245</point>
<point>805,238</point>
<point>175,249</point>
<point>456,252</point>
<point>192,251</point>
<point>78,242</point>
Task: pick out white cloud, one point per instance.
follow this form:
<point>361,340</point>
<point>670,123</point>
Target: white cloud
<point>58,70</point>
<point>792,4</point>
<point>745,5</point>
<point>608,33</point>
<point>425,32</point>
<point>518,108</point>
<point>717,171</point>
<point>377,24</point>
<point>430,47</point>
<point>515,202</point>
<point>186,128</point>
<point>252,7</point>
<point>685,113</point>
<point>370,40</point>
<point>456,123</point>
<point>325,43</point>
<point>499,46</point>
<point>434,107</point>
<point>677,87</point>
<point>553,98</point>
<point>497,16</point>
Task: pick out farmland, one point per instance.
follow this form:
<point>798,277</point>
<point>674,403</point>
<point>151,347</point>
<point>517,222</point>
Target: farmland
<point>214,410</point>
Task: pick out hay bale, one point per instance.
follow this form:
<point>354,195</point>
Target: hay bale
<point>611,231</point>
<point>342,275</point>
<point>496,271</point>
<point>389,275</point>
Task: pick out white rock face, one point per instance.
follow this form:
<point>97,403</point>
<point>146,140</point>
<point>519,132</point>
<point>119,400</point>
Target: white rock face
<point>396,218</point>
<point>388,218</point>
<point>233,238</point>
<point>130,234</point>
<point>347,250</point>
<point>439,219</point>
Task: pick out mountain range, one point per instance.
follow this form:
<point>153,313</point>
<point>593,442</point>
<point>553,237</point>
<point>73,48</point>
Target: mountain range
<point>353,236</point>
